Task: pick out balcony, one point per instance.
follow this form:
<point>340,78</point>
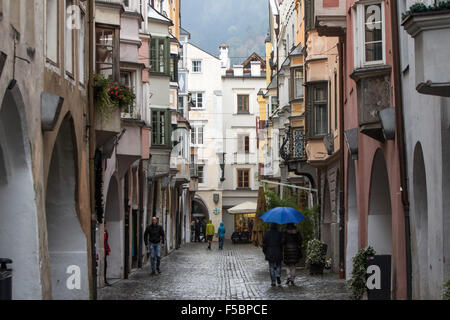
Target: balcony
<point>330,17</point>
<point>431,33</point>
<point>374,95</point>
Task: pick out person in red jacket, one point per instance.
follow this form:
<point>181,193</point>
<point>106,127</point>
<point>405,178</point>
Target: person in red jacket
<point>107,252</point>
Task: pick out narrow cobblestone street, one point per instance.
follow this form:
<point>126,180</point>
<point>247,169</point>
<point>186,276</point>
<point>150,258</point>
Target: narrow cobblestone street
<point>237,272</point>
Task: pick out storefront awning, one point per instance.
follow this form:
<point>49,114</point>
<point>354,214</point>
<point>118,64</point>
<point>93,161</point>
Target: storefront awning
<point>246,207</point>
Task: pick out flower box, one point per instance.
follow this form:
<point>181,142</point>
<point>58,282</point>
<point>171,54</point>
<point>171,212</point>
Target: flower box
<point>431,33</point>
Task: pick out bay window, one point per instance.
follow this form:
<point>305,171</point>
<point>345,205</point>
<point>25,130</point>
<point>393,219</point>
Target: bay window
<point>159,55</point>
<point>160,127</point>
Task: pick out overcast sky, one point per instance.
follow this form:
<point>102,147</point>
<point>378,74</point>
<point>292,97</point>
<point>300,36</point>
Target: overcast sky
<point>242,24</point>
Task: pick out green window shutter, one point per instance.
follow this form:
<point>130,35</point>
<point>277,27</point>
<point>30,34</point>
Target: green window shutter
<point>308,111</point>
<point>167,55</point>
<point>309,12</point>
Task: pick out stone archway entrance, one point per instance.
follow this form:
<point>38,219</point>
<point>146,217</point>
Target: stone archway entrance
<point>67,244</point>
<point>352,219</point>
<point>420,229</point>
<point>18,211</point>
<point>114,225</point>
<point>200,211</point>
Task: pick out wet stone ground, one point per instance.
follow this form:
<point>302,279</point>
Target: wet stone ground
<point>237,272</point>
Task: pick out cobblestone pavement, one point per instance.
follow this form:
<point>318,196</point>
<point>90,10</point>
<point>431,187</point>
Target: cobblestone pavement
<point>237,272</point>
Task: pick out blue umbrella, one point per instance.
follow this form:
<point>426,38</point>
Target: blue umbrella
<point>283,215</point>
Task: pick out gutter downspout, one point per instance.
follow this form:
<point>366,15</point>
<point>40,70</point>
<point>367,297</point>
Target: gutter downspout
<point>92,151</point>
<point>342,158</point>
<point>401,142</point>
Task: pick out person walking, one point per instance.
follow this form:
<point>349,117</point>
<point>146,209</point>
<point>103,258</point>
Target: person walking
<point>209,233</point>
<point>154,238</point>
<point>192,231</point>
<point>272,248</point>
<point>292,250</point>
<point>107,252</point>
<point>221,233</point>
<point>250,229</point>
<point>197,227</point>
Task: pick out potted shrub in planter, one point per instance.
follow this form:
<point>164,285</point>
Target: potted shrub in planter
<point>430,28</point>
<point>357,284</point>
<point>315,256</point>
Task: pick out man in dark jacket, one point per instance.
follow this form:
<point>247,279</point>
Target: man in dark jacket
<point>272,248</point>
<point>292,250</point>
<point>197,230</point>
<point>154,237</point>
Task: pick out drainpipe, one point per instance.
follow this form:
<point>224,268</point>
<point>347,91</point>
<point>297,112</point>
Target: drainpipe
<point>92,139</point>
<point>401,142</point>
<point>342,154</point>
<point>141,213</point>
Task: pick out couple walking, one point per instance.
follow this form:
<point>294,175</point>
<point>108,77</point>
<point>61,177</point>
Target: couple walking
<point>282,246</point>
<point>210,234</point>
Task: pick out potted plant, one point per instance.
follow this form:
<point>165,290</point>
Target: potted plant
<point>446,295</point>
<point>357,284</point>
<point>123,97</point>
<point>315,256</point>
<point>430,28</point>
<point>112,96</point>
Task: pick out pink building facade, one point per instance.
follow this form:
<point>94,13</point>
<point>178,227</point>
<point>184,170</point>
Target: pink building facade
<point>374,206</point>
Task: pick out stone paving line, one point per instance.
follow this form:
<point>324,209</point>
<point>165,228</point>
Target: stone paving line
<point>239,272</point>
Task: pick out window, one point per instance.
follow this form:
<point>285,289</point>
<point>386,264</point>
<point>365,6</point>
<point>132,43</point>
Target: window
<point>181,105</point>
<point>197,100</point>
<point>298,83</point>
<point>127,78</point>
<point>197,135</point>
<point>299,143</point>
<point>105,48</point>
<point>159,55</point>
<point>81,48</point>
<point>160,127</point>
<point>52,30</point>
<point>243,103</point>
<point>369,34</point>
<point>320,109</point>
<point>196,66</point>
<point>173,68</point>
<point>243,178</point>
<point>201,173</point>
<point>193,166</point>
<point>243,143</point>
<point>274,104</point>
<point>68,36</point>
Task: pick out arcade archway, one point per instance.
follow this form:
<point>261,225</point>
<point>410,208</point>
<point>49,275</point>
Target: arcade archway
<point>67,243</point>
<point>114,225</point>
<point>352,219</point>
<point>18,211</point>
<point>420,222</point>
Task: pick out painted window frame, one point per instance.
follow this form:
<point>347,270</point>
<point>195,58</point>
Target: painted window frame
<point>160,132</point>
<point>243,145</point>
<point>238,110</point>
<point>54,28</point>
<point>359,22</point>
<point>82,48</point>
<point>200,64</point>
<point>173,68</point>
<point>158,60</point>
<point>242,179</point>
<point>70,72</point>
<point>195,135</point>
<point>115,46</point>
<point>195,100</point>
